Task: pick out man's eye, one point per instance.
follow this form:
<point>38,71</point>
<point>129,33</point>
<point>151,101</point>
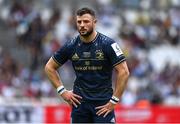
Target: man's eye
<point>86,21</point>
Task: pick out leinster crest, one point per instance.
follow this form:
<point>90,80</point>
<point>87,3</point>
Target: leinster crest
<point>99,54</point>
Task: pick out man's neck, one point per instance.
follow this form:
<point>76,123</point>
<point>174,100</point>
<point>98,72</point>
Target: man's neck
<point>88,39</point>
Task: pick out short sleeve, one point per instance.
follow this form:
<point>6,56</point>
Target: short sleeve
<point>62,55</point>
<point>114,53</point>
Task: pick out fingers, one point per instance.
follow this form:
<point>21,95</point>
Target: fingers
<point>70,103</point>
<point>76,100</point>
<point>101,111</point>
<point>74,104</point>
<point>71,98</point>
<point>99,107</point>
<point>77,96</point>
<point>104,110</point>
<point>107,112</point>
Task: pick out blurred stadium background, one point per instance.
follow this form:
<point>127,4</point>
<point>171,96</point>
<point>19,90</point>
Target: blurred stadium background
<point>148,31</point>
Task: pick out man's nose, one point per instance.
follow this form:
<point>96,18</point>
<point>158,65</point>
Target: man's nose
<point>82,24</point>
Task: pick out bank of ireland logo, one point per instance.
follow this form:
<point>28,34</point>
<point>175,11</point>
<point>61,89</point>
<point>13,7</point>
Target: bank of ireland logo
<point>99,54</point>
<point>75,57</point>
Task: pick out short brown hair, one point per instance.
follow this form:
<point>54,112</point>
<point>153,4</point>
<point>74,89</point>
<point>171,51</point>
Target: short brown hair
<point>85,10</point>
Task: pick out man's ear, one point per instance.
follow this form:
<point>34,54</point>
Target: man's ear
<point>95,20</point>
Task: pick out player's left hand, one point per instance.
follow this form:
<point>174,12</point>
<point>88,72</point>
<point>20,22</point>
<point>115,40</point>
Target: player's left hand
<point>105,109</point>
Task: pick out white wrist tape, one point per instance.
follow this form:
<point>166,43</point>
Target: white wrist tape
<point>114,100</point>
<point>61,90</point>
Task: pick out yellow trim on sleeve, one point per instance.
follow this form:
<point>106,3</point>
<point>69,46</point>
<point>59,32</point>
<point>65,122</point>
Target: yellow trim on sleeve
<point>56,61</point>
<point>119,62</point>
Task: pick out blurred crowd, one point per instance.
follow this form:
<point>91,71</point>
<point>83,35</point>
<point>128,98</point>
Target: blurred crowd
<point>148,35</point>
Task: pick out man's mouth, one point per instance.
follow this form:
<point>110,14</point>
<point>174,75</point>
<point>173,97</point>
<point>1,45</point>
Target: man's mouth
<point>82,30</point>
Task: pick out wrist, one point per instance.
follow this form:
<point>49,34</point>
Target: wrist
<point>61,89</point>
<point>114,100</point>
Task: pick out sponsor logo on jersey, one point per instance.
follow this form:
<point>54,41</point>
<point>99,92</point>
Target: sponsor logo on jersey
<point>86,54</point>
<point>113,120</point>
<point>87,62</point>
<point>88,68</point>
<point>116,49</point>
<point>75,57</point>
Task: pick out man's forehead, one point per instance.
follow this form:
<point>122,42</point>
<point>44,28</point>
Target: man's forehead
<point>85,16</point>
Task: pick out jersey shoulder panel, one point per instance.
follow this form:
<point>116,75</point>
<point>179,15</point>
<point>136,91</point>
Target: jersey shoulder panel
<point>65,52</point>
<point>112,50</point>
<point>72,42</point>
<point>106,40</point>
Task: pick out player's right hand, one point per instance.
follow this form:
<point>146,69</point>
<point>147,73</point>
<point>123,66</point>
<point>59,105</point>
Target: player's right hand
<point>71,98</point>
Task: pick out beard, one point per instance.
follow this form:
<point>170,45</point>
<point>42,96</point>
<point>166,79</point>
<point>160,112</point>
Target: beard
<point>86,33</point>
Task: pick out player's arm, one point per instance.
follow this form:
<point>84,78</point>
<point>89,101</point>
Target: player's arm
<point>51,71</point>
<point>117,59</point>
<point>122,74</point>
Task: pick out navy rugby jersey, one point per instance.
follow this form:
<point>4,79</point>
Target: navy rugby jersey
<point>93,64</point>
